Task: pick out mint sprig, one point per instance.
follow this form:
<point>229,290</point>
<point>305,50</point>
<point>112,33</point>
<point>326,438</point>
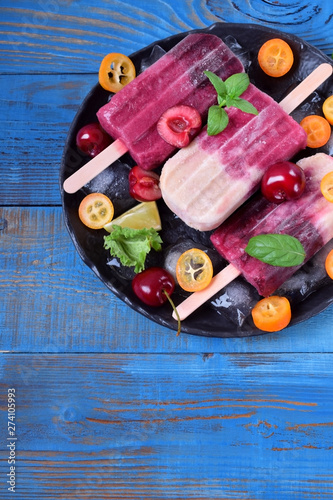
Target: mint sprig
<point>279,250</point>
<point>228,95</point>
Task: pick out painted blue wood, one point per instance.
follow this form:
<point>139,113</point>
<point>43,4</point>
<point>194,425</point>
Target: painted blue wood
<point>72,37</point>
<point>36,115</point>
<point>142,427</point>
<point>312,21</point>
<point>109,404</point>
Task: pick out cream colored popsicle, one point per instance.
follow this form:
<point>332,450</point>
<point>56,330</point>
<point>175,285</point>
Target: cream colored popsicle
<point>207,181</point>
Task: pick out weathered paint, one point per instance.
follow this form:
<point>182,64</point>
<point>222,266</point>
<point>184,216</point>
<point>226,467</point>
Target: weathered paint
<point>109,404</point>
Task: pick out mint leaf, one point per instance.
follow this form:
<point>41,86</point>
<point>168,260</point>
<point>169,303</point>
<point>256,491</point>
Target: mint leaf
<point>279,250</point>
<point>217,82</point>
<point>237,84</point>
<point>131,246</point>
<point>241,104</point>
<point>228,93</point>
<point>217,120</point>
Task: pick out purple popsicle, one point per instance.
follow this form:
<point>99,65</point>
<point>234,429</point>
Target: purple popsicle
<point>309,219</point>
<point>177,78</point>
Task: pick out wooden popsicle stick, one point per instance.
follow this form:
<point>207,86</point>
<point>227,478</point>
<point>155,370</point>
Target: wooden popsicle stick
<point>306,87</point>
<point>229,273</point>
<point>219,281</point>
<point>95,166</point>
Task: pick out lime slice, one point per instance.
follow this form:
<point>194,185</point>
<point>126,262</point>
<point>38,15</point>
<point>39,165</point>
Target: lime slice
<point>143,215</point>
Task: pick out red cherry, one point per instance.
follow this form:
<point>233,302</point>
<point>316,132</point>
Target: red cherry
<point>179,124</point>
<point>150,284</point>
<point>144,184</point>
<point>283,181</point>
<point>92,139</point>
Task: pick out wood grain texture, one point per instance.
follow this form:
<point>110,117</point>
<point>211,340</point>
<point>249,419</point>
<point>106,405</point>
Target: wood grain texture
<point>60,36</point>
<point>312,21</point>
<point>37,111</point>
<point>51,302</point>
<point>111,406</point>
<point>150,426</point>
<point>73,37</point>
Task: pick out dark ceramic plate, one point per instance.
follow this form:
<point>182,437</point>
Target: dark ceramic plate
<point>245,41</point>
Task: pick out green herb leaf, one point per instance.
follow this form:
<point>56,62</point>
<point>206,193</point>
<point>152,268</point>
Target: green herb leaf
<point>218,84</point>
<point>237,84</point>
<point>228,93</point>
<point>217,120</point>
<point>241,104</point>
<point>279,250</point>
<point>131,246</point>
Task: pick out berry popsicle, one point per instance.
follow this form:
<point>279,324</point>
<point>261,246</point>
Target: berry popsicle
<point>222,171</point>
<point>309,219</point>
<point>132,114</point>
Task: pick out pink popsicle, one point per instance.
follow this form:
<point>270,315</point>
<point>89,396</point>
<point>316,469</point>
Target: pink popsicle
<point>132,114</point>
<point>310,219</point>
<point>177,78</point>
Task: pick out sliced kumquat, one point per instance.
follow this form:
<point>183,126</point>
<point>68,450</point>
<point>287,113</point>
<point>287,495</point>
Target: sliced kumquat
<point>275,57</point>
<point>194,270</point>
<point>328,109</point>
<point>116,71</point>
<point>272,314</point>
<point>96,210</point>
<point>317,129</point>
<point>326,186</point>
<point>329,264</point>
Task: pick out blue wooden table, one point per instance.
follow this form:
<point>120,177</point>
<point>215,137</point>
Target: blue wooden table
<point>109,405</point>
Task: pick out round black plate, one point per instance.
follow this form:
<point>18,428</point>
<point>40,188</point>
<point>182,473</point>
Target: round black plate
<point>245,41</point>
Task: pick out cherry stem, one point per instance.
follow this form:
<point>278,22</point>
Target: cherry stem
<point>175,309</point>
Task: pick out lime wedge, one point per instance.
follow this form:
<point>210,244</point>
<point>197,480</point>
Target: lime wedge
<point>143,215</point>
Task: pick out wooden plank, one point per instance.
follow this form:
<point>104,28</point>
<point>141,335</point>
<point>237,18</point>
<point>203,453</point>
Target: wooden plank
<point>36,115</point>
<point>171,426</point>
<point>59,36</point>
<point>311,21</point>
<point>52,302</point>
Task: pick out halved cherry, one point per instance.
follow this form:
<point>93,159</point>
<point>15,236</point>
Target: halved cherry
<point>179,124</point>
<point>144,184</point>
